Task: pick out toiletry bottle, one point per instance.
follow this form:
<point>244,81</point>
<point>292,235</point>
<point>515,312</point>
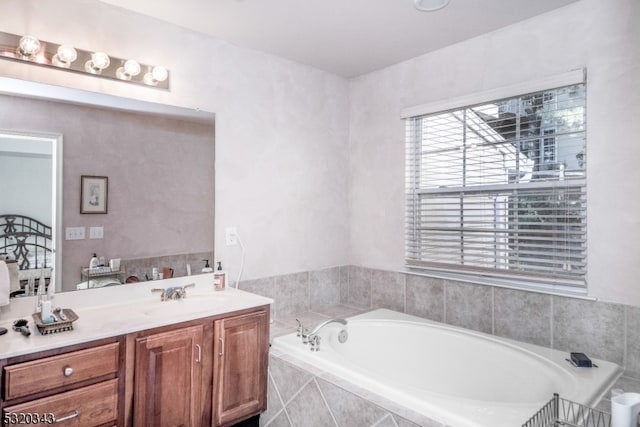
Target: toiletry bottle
<point>207,268</point>
<point>94,261</point>
<point>45,313</point>
<point>51,289</point>
<point>41,294</point>
<point>29,287</point>
<point>219,278</point>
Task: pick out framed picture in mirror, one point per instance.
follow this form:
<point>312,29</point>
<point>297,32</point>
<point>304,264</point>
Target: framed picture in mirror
<point>94,193</point>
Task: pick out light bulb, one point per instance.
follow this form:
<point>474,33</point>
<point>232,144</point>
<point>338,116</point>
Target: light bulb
<point>98,62</point>
<point>159,73</point>
<point>129,69</point>
<point>156,75</point>
<point>28,46</point>
<point>65,56</point>
<point>132,67</point>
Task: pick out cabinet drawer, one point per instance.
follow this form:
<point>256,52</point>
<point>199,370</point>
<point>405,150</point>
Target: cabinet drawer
<point>84,407</point>
<point>50,373</point>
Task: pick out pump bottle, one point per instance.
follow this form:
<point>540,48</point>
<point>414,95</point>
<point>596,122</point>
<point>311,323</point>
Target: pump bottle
<point>207,268</point>
<point>219,278</point>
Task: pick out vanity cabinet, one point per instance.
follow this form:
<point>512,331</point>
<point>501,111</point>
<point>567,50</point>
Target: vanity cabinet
<point>168,375</point>
<point>206,372</point>
<point>210,372</point>
<point>77,387</point>
<point>241,348</point>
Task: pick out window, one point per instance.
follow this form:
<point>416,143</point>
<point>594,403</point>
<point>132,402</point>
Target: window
<point>499,188</point>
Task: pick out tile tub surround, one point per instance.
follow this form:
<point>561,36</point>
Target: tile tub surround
<point>602,330</point>
<point>599,329</point>
<point>300,394</point>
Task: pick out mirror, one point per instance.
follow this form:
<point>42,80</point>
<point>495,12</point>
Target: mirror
<point>31,174</point>
<point>159,165</point>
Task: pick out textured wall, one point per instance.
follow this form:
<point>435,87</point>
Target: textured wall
<point>281,127</point>
<point>592,34</point>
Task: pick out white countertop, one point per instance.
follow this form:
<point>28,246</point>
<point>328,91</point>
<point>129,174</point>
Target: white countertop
<point>118,310</point>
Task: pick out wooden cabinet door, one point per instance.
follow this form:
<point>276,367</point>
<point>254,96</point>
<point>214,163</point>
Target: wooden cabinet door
<point>241,351</point>
<point>168,376</point>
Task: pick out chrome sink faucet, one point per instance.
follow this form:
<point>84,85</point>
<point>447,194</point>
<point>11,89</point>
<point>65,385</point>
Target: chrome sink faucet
<point>174,292</point>
<point>312,337</point>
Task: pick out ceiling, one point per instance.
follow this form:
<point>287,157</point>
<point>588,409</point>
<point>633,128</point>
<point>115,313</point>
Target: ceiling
<point>345,37</point>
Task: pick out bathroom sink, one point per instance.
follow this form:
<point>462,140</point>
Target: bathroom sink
<point>191,304</point>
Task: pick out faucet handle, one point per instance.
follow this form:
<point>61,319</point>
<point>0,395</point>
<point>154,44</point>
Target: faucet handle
<point>300,329</point>
<point>314,340</point>
<point>163,294</point>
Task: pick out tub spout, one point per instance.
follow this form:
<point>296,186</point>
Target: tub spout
<point>326,322</point>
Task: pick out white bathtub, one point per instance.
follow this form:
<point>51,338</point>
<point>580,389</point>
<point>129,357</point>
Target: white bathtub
<point>455,376</point>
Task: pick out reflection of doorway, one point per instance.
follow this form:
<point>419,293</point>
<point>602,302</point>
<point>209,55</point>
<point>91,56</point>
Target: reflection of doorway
<point>31,177</point>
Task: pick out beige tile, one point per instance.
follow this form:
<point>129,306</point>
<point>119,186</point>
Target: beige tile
<point>349,409</point>
<point>308,408</point>
<point>523,316</point>
<point>387,290</point>
<point>359,286</point>
<point>469,306</point>
<point>425,297</point>
<point>632,362</point>
<point>324,287</point>
<point>594,328</point>
<point>291,294</point>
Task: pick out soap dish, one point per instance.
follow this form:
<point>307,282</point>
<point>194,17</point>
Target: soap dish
<point>55,327</point>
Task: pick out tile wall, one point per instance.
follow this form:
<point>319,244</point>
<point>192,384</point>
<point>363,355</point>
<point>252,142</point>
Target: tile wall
<point>140,266</point>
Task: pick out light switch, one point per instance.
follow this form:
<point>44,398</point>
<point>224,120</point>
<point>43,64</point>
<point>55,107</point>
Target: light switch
<point>74,233</point>
<point>96,232</point>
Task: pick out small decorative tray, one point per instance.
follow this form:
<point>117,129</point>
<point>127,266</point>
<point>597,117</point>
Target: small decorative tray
<point>55,327</point>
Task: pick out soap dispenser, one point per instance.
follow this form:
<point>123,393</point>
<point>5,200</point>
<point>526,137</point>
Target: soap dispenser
<point>207,268</point>
<point>219,278</point>
<point>94,261</point>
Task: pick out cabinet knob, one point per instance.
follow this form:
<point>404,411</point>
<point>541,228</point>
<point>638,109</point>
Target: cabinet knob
<point>68,370</point>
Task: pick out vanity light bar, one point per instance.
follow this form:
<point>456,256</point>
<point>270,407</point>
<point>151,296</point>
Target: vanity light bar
<point>31,50</point>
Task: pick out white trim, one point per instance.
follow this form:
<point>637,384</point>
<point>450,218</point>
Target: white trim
<point>551,82</point>
<point>30,89</point>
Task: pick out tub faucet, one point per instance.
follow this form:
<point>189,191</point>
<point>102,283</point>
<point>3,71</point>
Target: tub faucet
<point>302,332</point>
<point>313,337</point>
<point>174,292</point>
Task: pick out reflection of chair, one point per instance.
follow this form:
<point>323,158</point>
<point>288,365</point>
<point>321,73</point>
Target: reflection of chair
<point>132,279</point>
<point>18,293</point>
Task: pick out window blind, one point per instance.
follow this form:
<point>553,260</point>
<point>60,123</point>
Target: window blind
<point>499,188</point>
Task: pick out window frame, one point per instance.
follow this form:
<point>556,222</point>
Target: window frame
<point>487,276</point>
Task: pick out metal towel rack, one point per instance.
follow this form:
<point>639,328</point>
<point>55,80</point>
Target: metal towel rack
<point>561,412</point>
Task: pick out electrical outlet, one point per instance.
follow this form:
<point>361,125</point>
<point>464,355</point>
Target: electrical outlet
<point>74,233</point>
<point>96,232</point>
<point>231,234</point>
